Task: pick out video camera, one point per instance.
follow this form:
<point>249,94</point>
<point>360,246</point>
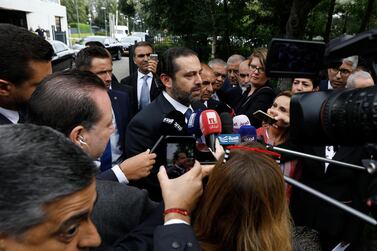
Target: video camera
<point>347,117</point>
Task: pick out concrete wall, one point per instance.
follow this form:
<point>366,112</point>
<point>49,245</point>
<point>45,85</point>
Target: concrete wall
<point>39,13</point>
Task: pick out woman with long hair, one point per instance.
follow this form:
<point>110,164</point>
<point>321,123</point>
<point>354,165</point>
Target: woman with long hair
<point>277,134</point>
<point>244,206</point>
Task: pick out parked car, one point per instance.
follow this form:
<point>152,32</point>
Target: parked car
<point>111,44</point>
<point>63,58</point>
<point>128,41</point>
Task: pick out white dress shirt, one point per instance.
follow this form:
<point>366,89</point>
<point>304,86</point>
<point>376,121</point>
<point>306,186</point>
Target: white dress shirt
<point>13,116</point>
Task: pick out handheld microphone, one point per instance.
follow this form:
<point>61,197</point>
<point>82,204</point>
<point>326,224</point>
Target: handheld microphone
<point>239,121</point>
<point>210,125</point>
<point>226,123</point>
<point>227,137</point>
<point>223,107</point>
<point>173,124</point>
<point>193,125</point>
<point>248,133</point>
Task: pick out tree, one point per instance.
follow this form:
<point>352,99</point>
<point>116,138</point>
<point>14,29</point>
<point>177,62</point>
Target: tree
<point>368,13</point>
<point>75,7</point>
<point>297,20</point>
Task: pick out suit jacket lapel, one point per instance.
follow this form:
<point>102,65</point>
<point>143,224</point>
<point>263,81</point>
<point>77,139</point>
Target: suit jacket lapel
<point>116,108</point>
<point>4,120</point>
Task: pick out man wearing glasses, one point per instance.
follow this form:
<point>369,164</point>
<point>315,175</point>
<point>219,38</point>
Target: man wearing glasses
<point>338,76</point>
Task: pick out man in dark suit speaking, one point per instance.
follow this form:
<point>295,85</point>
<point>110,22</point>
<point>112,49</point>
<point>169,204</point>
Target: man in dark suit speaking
<point>180,76</point>
<point>145,87</point>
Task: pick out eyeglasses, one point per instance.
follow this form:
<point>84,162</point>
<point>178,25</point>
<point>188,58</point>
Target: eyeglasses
<point>343,72</point>
<point>256,68</point>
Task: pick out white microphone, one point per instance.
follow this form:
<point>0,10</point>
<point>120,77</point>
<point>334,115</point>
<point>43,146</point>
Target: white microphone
<point>238,121</point>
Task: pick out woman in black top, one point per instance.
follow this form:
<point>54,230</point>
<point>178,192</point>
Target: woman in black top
<point>260,95</point>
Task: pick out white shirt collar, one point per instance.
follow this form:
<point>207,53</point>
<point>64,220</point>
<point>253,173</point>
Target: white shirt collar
<point>140,75</point>
<point>13,116</point>
<point>178,106</point>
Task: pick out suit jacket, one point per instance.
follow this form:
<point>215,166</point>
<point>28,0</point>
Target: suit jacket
<point>323,85</point>
<point>121,107</point>
<point>261,99</point>
<point>153,235</point>
<point>230,95</point>
<point>212,103</point>
<point>143,132</point>
<point>132,82</point>
<point>4,120</point>
<point>350,186</point>
<point>119,209</point>
<point>115,85</point>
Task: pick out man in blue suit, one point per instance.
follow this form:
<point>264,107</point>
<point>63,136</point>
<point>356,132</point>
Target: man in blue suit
<point>99,61</point>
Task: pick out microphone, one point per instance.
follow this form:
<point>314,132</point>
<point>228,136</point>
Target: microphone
<point>210,125</point>
<point>239,121</point>
<point>248,133</point>
<point>226,123</point>
<point>227,137</point>
<point>173,124</point>
<point>193,125</point>
<point>222,107</point>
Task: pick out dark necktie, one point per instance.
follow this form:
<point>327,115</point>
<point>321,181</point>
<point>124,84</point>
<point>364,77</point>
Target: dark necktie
<point>188,114</point>
<point>106,158</point>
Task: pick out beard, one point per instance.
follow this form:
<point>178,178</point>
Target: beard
<point>184,97</point>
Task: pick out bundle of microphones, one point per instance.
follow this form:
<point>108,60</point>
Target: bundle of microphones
<point>207,125</point>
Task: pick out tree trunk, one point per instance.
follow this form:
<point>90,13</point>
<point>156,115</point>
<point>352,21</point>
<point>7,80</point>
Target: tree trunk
<point>326,36</point>
<point>298,17</point>
<point>367,15</point>
<point>226,35</point>
<point>213,46</point>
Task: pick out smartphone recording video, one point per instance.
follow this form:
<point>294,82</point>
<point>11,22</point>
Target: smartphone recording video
<point>180,155</point>
<point>154,57</point>
<point>262,116</point>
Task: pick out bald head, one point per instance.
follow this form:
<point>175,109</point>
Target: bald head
<point>244,71</point>
<point>233,68</point>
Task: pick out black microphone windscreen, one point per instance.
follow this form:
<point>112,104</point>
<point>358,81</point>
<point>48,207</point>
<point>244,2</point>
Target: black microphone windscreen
<point>222,107</point>
<point>227,123</point>
<point>174,124</point>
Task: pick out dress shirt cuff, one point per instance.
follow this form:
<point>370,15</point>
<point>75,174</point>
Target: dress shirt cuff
<point>176,221</point>
<point>119,174</point>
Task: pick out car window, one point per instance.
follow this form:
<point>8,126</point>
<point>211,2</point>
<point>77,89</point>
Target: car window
<point>59,46</point>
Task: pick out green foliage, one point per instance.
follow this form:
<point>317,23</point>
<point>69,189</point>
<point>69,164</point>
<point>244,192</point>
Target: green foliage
<point>82,10</point>
<point>127,7</point>
<point>84,28</point>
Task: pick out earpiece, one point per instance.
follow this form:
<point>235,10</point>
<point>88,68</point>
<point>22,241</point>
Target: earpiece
<point>81,140</point>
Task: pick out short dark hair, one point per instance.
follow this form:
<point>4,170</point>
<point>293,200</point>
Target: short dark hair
<point>63,101</point>
<point>141,44</point>
<point>38,166</point>
<point>18,48</point>
<point>168,65</point>
<point>85,56</point>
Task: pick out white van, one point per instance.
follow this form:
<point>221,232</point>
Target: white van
<point>120,31</point>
